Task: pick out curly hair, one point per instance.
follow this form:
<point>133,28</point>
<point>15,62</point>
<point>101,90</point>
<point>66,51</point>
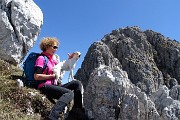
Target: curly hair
<point>48,42</point>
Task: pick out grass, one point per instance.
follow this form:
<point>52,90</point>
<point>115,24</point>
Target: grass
<point>19,103</point>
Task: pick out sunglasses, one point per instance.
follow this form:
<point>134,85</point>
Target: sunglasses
<point>55,47</point>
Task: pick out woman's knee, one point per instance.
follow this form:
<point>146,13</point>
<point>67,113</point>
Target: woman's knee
<point>78,84</point>
<point>67,97</point>
<point>71,94</point>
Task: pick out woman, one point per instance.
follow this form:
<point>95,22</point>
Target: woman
<point>64,93</point>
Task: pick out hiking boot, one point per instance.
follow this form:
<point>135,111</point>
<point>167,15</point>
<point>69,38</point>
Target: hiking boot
<point>60,105</point>
<point>68,108</point>
<point>77,114</point>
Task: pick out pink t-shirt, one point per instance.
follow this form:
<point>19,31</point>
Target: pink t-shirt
<point>49,69</point>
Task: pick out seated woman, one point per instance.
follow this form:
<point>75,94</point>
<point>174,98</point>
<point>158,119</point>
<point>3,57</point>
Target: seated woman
<point>63,93</point>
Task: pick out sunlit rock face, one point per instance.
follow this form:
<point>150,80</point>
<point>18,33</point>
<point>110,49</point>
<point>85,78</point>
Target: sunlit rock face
<point>20,24</point>
<point>132,74</point>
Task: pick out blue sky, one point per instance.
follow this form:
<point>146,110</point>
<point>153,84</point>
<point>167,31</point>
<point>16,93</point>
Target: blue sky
<point>79,23</point>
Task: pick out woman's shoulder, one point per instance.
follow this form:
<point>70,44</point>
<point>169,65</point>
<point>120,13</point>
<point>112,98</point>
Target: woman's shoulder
<point>40,57</point>
<point>40,61</point>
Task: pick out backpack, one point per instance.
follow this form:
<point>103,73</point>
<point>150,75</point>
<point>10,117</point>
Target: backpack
<point>28,70</point>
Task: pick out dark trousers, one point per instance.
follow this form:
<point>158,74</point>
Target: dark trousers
<point>55,92</point>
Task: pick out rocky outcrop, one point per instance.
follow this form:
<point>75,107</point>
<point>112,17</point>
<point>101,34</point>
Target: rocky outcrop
<point>20,23</point>
<point>133,75</point>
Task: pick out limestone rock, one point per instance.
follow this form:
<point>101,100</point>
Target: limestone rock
<point>20,24</point>
<point>175,92</point>
<point>132,75</point>
<point>166,106</point>
<point>110,95</point>
<point>149,58</point>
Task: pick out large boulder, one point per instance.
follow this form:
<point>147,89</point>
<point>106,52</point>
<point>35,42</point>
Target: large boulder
<point>20,24</point>
<point>132,75</point>
<point>149,58</point>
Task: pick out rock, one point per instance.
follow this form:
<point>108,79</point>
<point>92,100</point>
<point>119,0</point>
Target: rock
<point>175,92</point>
<point>132,74</point>
<point>21,21</point>
<point>166,106</point>
<point>110,95</point>
<point>19,83</point>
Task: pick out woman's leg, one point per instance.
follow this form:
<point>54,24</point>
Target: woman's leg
<point>77,111</point>
<point>77,87</point>
<point>63,95</point>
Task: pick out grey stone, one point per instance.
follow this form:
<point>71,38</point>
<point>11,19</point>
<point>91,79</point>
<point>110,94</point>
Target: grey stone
<point>20,24</point>
<point>132,75</point>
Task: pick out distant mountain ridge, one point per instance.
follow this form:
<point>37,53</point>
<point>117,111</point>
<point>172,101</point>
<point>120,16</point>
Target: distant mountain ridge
<point>145,61</point>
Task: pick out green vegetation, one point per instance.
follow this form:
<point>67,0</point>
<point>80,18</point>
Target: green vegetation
<point>19,103</point>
